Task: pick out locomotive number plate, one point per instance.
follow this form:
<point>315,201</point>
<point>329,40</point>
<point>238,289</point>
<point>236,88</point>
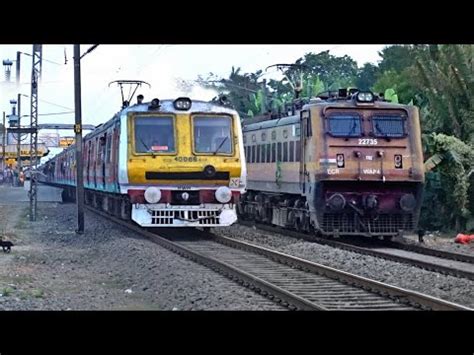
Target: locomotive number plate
<point>367,141</point>
<point>186,159</point>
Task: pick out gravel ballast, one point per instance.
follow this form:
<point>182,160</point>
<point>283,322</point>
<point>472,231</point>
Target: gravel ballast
<point>449,288</point>
<point>52,268</point>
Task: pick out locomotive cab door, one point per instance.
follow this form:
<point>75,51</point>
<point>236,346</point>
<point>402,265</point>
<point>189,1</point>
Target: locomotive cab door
<point>305,132</point>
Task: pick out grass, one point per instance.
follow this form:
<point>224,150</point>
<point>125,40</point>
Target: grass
<point>37,293</point>
<point>6,291</point>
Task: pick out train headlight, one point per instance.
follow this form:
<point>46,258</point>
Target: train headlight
<point>340,160</point>
<point>152,195</point>
<point>365,97</point>
<point>408,202</point>
<point>182,103</point>
<point>336,202</point>
<point>223,194</point>
<point>398,161</point>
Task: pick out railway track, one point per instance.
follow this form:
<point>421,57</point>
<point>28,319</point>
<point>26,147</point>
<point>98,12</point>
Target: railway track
<point>447,263</point>
<point>289,281</point>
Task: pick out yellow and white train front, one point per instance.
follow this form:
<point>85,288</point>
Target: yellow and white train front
<point>185,163</point>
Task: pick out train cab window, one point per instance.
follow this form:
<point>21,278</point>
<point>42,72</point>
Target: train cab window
<point>273,152</point>
<point>292,151</point>
<point>298,151</point>
<point>344,125</point>
<point>285,151</point>
<point>154,134</point>
<point>213,134</point>
<point>390,126</point>
<point>269,153</point>
<point>279,151</point>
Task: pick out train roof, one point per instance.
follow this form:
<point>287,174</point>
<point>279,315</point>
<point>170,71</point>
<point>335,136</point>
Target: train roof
<point>283,121</point>
<point>353,104</point>
<point>197,106</point>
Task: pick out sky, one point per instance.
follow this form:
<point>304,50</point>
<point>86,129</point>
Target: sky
<point>159,65</point>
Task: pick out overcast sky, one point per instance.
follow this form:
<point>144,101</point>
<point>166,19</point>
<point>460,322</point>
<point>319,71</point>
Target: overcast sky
<point>159,65</point>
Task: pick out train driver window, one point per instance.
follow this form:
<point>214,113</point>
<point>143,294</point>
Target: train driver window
<point>344,125</point>
<point>213,134</point>
<point>154,134</point>
<point>389,126</point>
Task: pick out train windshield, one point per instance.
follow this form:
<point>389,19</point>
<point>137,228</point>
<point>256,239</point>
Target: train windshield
<point>344,125</point>
<point>213,134</point>
<point>388,126</point>
<point>154,134</point>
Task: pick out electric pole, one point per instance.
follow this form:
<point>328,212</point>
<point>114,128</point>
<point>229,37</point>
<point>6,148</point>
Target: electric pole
<point>4,143</point>
<point>35,76</point>
<point>18,58</point>
<point>78,131</point>
<point>18,146</point>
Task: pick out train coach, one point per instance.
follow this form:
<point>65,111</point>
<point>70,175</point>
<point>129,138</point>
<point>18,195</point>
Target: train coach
<point>346,163</point>
<point>168,163</point>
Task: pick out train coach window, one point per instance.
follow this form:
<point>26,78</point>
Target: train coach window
<point>298,151</point>
<point>264,153</point>
<point>258,153</point>
<point>252,159</point>
<point>344,125</point>
<point>285,151</point>
<point>268,153</point>
<point>154,134</point>
<point>212,134</point>
<point>292,151</point>
<point>279,151</point>
<point>388,126</point>
<point>273,152</point>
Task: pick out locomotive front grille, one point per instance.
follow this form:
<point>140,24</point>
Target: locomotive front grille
<point>166,217</point>
<point>353,223</point>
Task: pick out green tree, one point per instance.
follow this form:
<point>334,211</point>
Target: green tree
<point>444,74</point>
<point>455,166</point>
<point>366,76</point>
<point>334,72</point>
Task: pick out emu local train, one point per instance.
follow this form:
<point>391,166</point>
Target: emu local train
<point>169,163</point>
<point>348,163</point>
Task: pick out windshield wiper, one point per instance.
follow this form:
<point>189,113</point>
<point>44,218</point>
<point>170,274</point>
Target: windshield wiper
<point>220,145</point>
<point>382,132</point>
<point>142,142</point>
<point>353,128</point>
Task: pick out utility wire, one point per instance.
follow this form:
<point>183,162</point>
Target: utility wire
<point>52,103</point>
<point>89,50</point>
<point>46,60</point>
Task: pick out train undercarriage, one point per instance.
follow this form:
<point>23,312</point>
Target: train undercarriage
<point>293,212</point>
